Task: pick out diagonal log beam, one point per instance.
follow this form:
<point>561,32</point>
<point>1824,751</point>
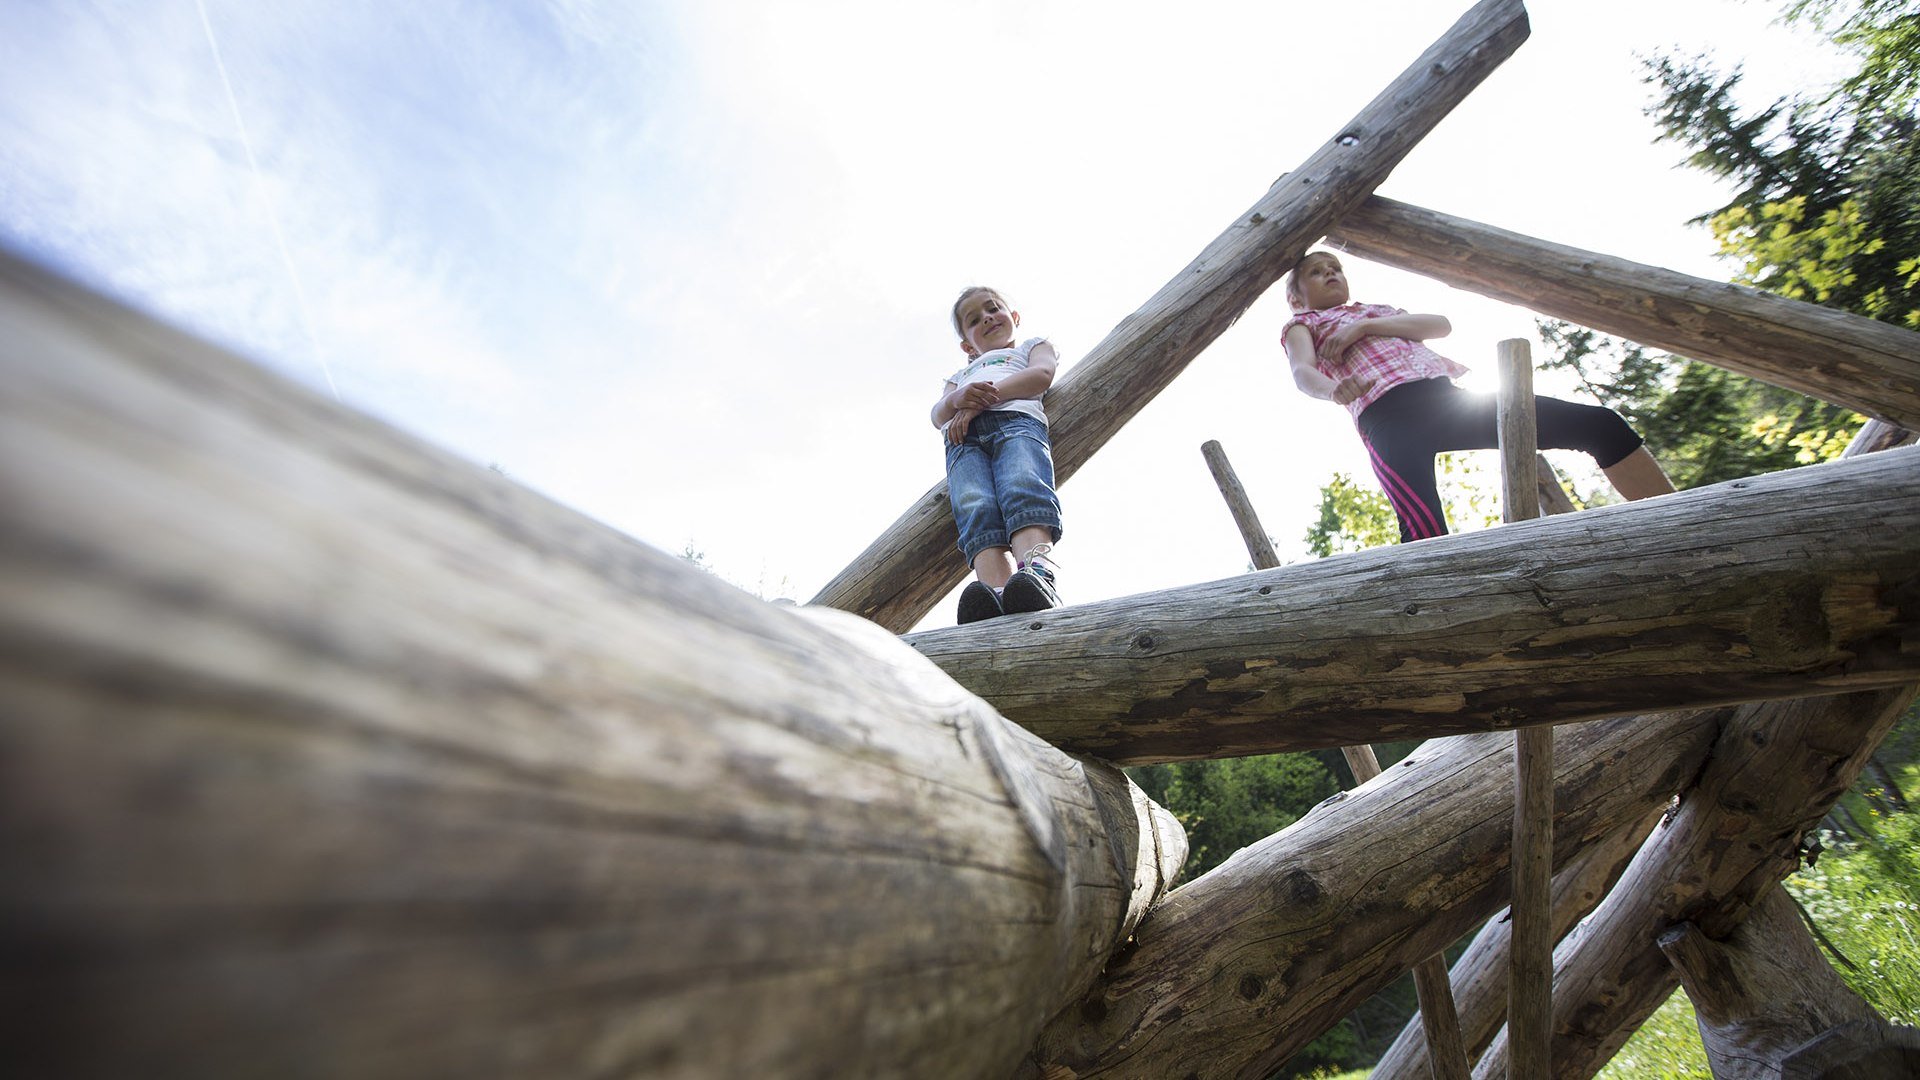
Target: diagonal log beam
<point>1752,589</point>
<point>906,570</point>
<point>324,753</point>
<point>1864,364</point>
<point>1235,972</point>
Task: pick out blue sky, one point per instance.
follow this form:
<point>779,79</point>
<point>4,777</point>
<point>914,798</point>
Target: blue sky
<point>685,265</point>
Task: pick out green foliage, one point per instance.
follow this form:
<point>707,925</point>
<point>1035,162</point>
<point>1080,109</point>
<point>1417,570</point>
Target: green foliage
<point>1667,1047</point>
<point>1226,805</point>
<point>1828,207</point>
<point>1705,424</point>
<point>1866,900</point>
<point>1352,518</point>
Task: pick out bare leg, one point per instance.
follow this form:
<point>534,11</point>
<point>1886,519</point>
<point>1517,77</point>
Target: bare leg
<point>1029,538</point>
<point>1638,476</point>
<point>994,565</point>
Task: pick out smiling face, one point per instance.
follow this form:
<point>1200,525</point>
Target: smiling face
<point>1318,282</point>
<point>985,321</point>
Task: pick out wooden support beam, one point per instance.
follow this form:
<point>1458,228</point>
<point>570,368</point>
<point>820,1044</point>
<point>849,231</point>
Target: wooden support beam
<point>324,753</point>
<point>1236,971</point>
<point>1530,984</point>
<point>909,567</point>
<point>1766,996</point>
<point>1449,1055</point>
<point>1752,589</point>
<point>1866,365</point>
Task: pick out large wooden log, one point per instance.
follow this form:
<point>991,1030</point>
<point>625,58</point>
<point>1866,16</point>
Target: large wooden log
<point>1746,590</point>
<point>1774,771</point>
<point>1864,364</point>
<point>1765,994</point>
<point>323,753</point>
<point>1235,972</point>
<point>906,570</point>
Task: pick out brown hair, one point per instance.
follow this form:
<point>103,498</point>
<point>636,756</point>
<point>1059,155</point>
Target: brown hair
<point>967,294</point>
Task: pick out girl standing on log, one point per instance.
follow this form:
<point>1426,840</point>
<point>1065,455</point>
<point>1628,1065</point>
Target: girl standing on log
<point>1372,359</point>
<point>1000,459</point>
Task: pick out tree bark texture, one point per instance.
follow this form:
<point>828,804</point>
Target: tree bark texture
<point>1750,589</point>
<point>1764,992</point>
<point>1851,360</point>
<point>1774,771</point>
<point>323,753</point>
<point>905,571</point>
<point>1479,977</point>
<point>1235,972</point>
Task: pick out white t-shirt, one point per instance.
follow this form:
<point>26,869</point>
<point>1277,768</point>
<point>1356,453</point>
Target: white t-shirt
<point>991,367</point>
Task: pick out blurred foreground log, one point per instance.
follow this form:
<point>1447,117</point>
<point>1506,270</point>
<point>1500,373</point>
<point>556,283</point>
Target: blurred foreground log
<point>323,753</point>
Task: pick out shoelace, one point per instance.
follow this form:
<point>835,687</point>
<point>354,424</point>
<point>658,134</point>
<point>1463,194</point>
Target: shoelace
<point>1041,552</point>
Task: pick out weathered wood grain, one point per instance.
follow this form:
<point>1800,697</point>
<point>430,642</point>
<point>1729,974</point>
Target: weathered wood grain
<point>1751,589</point>
<point>323,753</point>
<point>1236,971</point>
<point>1864,364</point>
<point>915,562</point>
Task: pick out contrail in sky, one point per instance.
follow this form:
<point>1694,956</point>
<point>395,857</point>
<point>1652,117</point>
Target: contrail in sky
<point>260,185</point>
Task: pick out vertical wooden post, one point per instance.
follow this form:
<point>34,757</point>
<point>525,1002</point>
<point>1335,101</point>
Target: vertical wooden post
<point>1448,1050</point>
<point>1530,988</point>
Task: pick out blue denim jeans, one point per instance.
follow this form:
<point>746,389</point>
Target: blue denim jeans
<point>1000,480</point>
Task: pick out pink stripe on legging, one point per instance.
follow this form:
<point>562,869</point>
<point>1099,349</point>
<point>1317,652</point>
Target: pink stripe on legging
<point>1420,516</point>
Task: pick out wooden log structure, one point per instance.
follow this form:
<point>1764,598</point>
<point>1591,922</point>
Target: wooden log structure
<point>1867,365</point>
<point>1769,1006</point>
<point>1775,768</point>
<point>909,567</point>
<point>323,753</point>
<point>1741,591</point>
<point>1234,972</point>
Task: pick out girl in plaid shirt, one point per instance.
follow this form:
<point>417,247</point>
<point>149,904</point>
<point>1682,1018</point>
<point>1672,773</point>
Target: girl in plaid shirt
<point>1372,359</point>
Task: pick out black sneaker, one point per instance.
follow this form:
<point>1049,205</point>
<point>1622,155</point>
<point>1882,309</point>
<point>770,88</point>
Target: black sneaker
<point>978,601</point>
<point>1030,589</point>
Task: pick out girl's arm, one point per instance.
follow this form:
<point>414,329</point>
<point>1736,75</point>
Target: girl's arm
<point>974,396</point>
<point>1308,376</point>
<point>1410,327</point>
<point>1033,380</point>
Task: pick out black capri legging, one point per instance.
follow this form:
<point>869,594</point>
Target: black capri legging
<point>1414,421</point>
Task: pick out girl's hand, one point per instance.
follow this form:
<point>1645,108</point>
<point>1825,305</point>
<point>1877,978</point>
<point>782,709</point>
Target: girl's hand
<point>976,396</point>
<point>1346,337</point>
<point>957,427</point>
<point>1349,389</point>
